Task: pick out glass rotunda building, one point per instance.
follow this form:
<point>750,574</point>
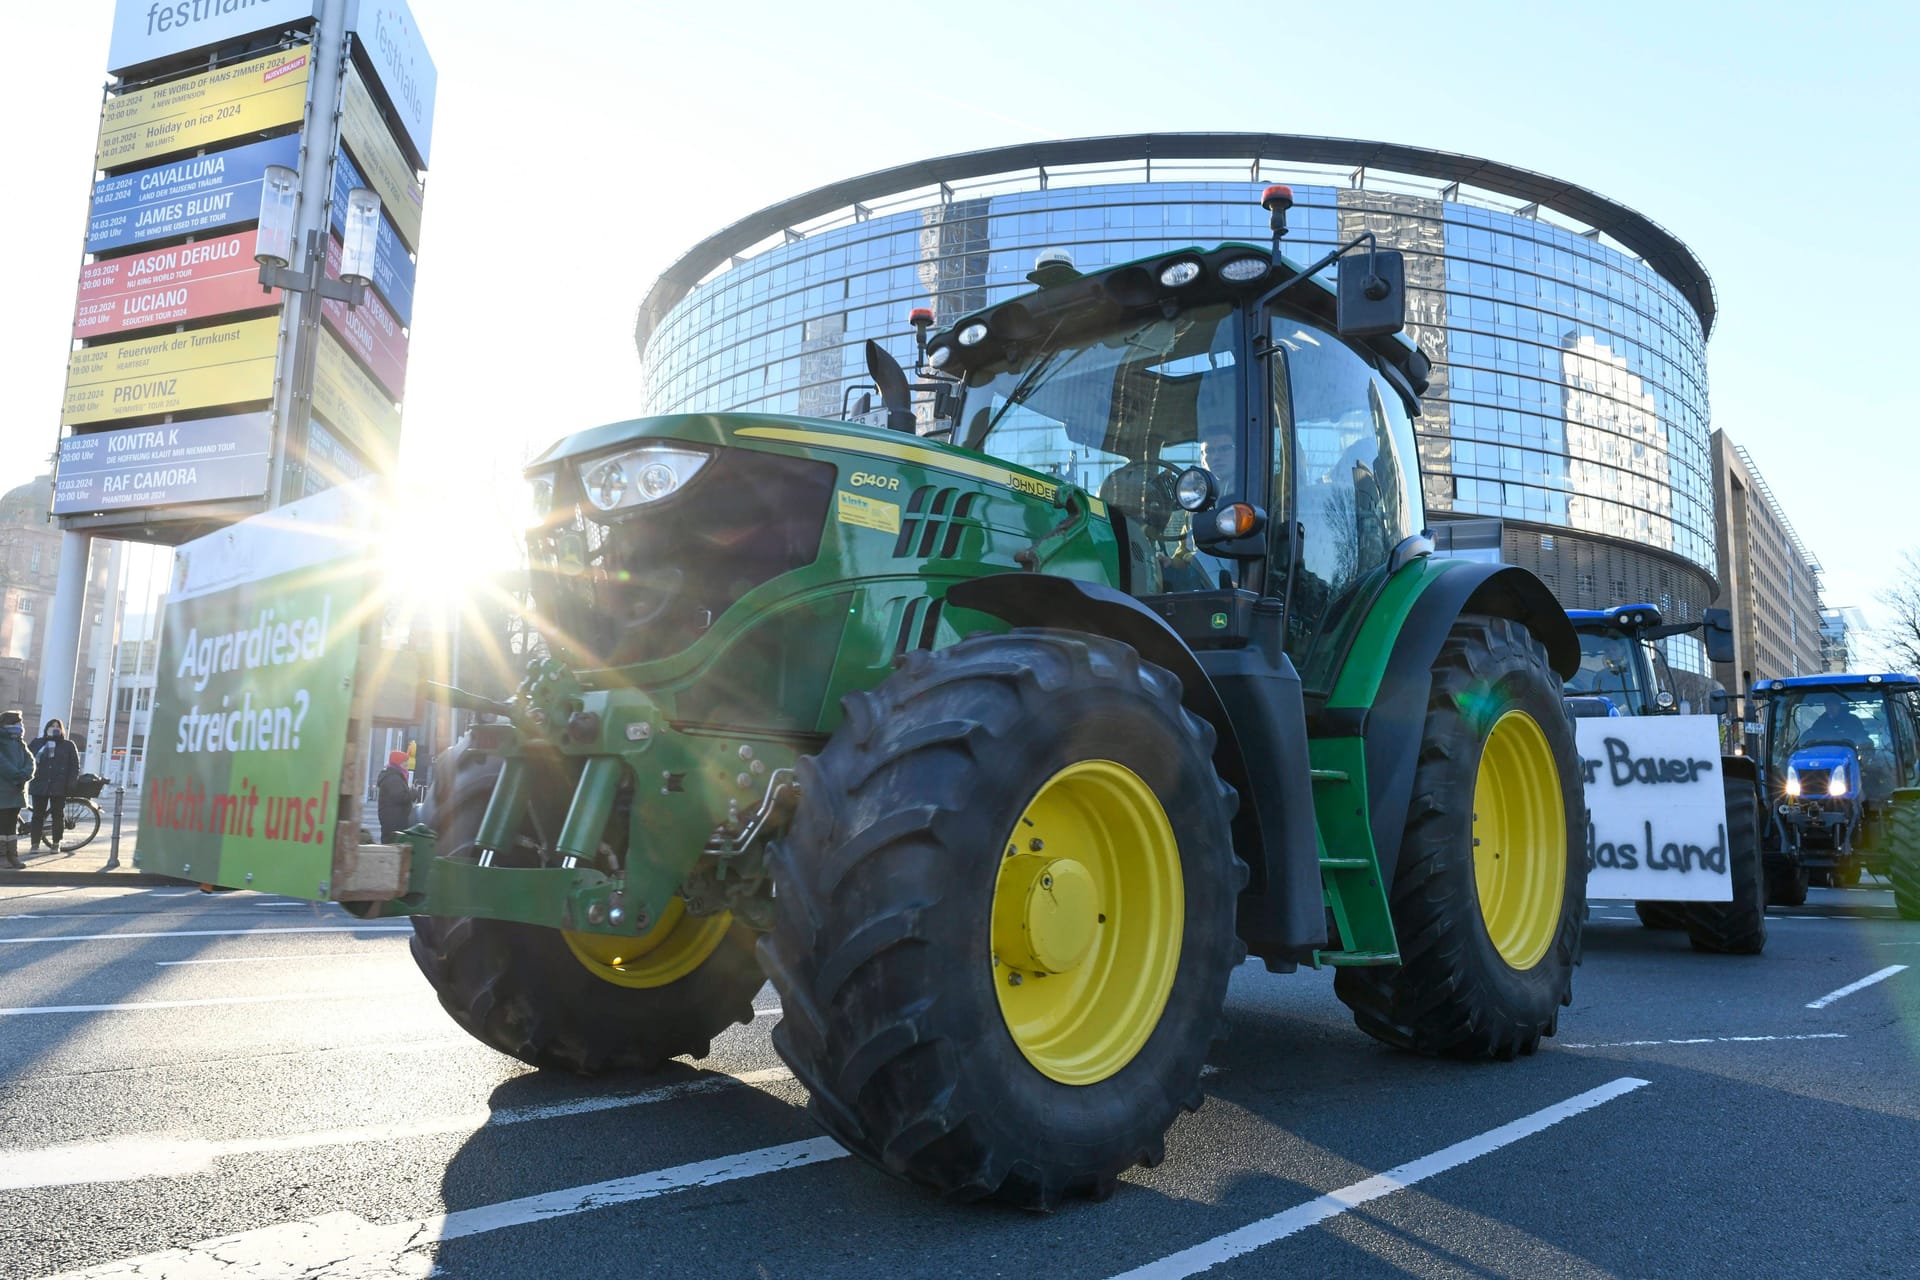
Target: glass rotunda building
<point>1567,332</point>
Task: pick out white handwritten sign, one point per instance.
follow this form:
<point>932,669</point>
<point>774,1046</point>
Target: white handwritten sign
<point>1656,808</point>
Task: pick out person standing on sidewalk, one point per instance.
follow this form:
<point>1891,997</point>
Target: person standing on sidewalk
<point>56,766</point>
<point>396,797</point>
<point>16,770</point>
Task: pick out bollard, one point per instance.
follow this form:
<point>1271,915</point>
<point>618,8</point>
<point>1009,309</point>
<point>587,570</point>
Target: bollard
<point>113,845</point>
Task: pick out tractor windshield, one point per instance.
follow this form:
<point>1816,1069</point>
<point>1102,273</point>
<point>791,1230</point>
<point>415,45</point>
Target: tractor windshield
<point>1609,668</point>
<point>1853,718</point>
<point>1121,412</point>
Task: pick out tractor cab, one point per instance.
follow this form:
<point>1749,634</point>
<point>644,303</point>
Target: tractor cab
<point>1623,672</point>
<point>1250,442</point>
<point>1836,749</point>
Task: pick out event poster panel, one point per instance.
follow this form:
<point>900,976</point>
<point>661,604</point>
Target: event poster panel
<point>370,331</point>
<point>380,159</point>
<point>227,364</point>
<point>392,269</point>
<point>353,404</point>
<point>1656,808</point>
<point>329,462</point>
<point>206,460</point>
<point>251,711</point>
<point>195,193</point>
<point>164,286</point>
<point>147,30</point>
<point>386,35</point>
<point>204,110</point>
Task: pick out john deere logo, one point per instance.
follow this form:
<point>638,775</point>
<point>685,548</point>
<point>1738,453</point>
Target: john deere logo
<point>1219,622</point>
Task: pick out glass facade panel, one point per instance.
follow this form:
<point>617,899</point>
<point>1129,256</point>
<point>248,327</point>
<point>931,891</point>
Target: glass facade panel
<point>1569,387</point>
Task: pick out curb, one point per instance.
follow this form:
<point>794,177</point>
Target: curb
<point>91,879</point>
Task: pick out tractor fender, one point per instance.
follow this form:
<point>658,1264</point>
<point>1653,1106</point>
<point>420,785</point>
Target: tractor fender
<point>1391,721</point>
<point>1041,600</point>
<point>1741,767</point>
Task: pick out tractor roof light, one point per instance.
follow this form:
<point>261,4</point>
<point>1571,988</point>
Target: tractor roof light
<point>1241,270</point>
<point>1177,274</point>
<point>974,334</point>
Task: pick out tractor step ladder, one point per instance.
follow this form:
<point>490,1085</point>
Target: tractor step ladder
<point>1349,868</point>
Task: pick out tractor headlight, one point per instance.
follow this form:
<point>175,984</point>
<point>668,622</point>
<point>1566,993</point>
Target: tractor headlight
<point>1195,490</point>
<point>1793,782</point>
<point>1837,785</point>
<point>639,476</point>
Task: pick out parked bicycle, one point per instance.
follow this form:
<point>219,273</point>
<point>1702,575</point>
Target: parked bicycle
<point>79,815</point>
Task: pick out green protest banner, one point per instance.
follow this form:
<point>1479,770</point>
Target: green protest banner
<point>251,716</point>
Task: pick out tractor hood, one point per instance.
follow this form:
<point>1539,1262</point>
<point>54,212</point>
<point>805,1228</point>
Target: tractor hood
<point>809,437</point>
<point>1822,759</point>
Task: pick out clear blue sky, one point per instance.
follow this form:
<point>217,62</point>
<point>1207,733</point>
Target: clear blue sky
<point>580,147</point>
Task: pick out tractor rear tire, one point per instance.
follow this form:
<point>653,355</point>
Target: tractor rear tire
<point>1660,915</point>
<point>1903,852</point>
<point>901,985</point>
<point>1456,992</point>
<point>522,990</point>
<point>1738,927</point>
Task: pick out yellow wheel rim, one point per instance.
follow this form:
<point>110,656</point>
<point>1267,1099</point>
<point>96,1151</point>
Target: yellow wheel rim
<point>668,952</point>
<point>1519,840</point>
<point>1088,907</point>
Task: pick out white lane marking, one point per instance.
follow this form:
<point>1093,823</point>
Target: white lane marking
<point>304,955</point>
<point>1211,1253</point>
<point>348,1247</point>
<point>1635,1044</point>
<point>141,1005</point>
<point>164,1156</point>
<point>175,893</point>
<point>1852,987</point>
<point>214,933</point>
<point>766,1011</point>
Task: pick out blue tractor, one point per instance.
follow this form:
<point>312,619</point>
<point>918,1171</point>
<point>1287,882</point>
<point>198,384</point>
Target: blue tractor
<point>1842,758</point>
<point>1624,673</point>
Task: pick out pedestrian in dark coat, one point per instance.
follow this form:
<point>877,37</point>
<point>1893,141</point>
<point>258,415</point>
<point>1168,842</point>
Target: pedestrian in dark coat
<point>56,767</point>
<point>396,797</point>
<point>16,770</point>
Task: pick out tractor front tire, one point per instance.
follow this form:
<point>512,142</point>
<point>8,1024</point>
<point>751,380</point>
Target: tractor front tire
<point>528,992</point>
<point>1489,894</point>
<point>1903,852</point>
<point>1004,918</point>
<point>1788,887</point>
<point>1738,927</point>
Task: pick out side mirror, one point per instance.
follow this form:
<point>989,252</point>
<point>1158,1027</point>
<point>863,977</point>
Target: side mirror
<point>1717,702</point>
<point>1717,632</point>
<point>1373,294</point>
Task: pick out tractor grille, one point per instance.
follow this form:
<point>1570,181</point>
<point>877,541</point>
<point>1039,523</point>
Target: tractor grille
<point>654,580</point>
<point>934,521</point>
<point>1813,783</point>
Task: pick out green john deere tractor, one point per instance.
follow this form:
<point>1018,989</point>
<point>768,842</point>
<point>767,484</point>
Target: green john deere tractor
<point>998,739</point>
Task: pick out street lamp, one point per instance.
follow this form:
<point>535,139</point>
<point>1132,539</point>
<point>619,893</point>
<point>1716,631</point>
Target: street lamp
<point>274,251</point>
<point>273,244</point>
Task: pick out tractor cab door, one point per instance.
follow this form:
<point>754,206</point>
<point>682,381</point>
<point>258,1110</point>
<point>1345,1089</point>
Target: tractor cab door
<point>1905,708</point>
<point>1345,488</point>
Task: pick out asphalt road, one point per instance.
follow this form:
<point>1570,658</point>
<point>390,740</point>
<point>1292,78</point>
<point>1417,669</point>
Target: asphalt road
<point>236,1085</point>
